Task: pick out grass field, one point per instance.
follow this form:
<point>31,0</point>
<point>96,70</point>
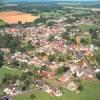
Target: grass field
<point>91,92</point>
<point>4,71</point>
<point>85,27</point>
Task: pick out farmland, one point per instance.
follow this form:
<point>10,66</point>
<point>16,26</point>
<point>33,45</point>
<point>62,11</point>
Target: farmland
<point>12,17</point>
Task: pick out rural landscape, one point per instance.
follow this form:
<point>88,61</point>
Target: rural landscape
<point>49,50</point>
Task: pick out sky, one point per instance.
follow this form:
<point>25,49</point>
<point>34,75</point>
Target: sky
<point>9,1</point>
<point>49,0</point>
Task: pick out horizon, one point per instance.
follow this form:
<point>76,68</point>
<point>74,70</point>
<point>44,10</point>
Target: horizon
<point>9,1</point>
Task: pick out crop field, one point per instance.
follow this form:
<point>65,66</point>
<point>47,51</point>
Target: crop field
<point>12,17</point>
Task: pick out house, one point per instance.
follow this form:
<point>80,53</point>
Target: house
<point>52,90</point>
<point>8,91</point>
<point>12,91</point>
<point>65,77</point>
<point>72,86</point>
<point>97,70</point>
<point>79,72</point>
<point>39,82</point>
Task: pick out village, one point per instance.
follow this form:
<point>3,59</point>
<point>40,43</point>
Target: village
<point>53,57</point>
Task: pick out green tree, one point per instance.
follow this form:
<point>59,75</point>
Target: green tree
<point>27,83</point>
<point>66,36</point>
<point>97,55</point>
<point>51,38</point>
<point>98,75</point>
<point>80,87</point>
<point>93,32</point>
<point>32,96</point>
<point>60,71</point>
<point>44,68</point>
<point>1,59</point>
<point>23,76</point>
<point>96,42</point>
<point>51,58</point>
<point>8,41</point>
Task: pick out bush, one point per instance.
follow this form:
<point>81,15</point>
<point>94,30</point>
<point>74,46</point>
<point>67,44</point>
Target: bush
<point>32,96</point>
<point>98,75</point>
<point>80,87</point>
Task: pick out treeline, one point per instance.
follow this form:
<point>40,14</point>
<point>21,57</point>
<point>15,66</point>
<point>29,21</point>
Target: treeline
<point>34,8</point>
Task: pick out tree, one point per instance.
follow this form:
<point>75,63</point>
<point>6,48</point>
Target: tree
<point>1,59</point>
<point>8,41</point>
<point>30,47</point>
<point>73,40</point>
<point>23,76</point>
<point>80,87</point>
<point>19,23</point>
<point>50,23</point>
<point>27,83</point>
<point>61,59</point>
<point>15,63</point>
<point>98,75</point>
<point>44,68</point>
<point>66,36</point>
<point>97,55</point>
<point>37,76</point>
<point>51,58</point>
<point>85,40</point>
<point>23,88</point>
<point>51,38</point>
<point>42,54</point>
<point>93,32</point>
<point>60,70</point>
<point>32,96</point>
<point>40,20</point>
<point>96,42</point>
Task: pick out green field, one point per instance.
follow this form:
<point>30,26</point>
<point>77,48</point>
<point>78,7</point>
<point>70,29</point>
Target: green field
<point>85,27</point>
<point>91,92</point>
<point>2,23</point>
<point>4,71</point>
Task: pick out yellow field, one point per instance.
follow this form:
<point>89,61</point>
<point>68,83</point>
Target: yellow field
<point>12,17</point>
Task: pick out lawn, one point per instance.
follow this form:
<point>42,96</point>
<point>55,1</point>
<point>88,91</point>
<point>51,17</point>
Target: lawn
<point>85,27</point>
<point>91,92</point>
<point>4,71</point>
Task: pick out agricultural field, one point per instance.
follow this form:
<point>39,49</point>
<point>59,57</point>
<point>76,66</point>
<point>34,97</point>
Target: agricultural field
<point>85,27</point>
<point>12,17</point>
<point>90,91</point>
